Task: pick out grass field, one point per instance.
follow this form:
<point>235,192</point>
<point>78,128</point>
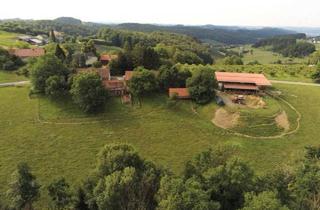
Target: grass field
<point>168,136</point>
<point>265,56</point>
<point>6,76</point>
<point>8,39</point>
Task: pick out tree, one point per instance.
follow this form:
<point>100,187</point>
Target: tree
<point>278,181</point>
<point>142,83</point>
<point>316,75</point>
<point>59,53</point>
<point>88,91</point>
<point>97,64</point>
<point>229,182</point>
<point>187,57</point>
<point>202,86</point>
<point>52,36</point>
<point>118,190</point>
<point>89,47</point>
<point>306,187</point>
<point>60,194</point>
<point>24,189</point>
<point>121,64</point>
<point>145,56</point>
<point>175,194</point>
<point>172,77</point>
<point>56,86</point>
<point>266,200</point>
<point>123,180</point>
<point>80,202</point>
<point>233,60</point>
<point>9,62</point>
<point>78,60</point>
<point>45,67</point>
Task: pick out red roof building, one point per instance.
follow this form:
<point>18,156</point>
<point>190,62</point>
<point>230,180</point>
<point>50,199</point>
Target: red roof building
<point>181,93</point>
<point>128,75</point>
<point>105,59</point>
<point>104,73</point>
<point>241,81</point>
<point>27,53</point>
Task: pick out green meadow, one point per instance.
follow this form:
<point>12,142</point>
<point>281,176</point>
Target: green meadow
<point>7,76</point>
<point>265,56</point>
<point>56,139</point>
<point>9,40</point>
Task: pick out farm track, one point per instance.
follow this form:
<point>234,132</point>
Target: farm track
<point>294,83</point>
<point>12,84</point>
<point>275,136</point>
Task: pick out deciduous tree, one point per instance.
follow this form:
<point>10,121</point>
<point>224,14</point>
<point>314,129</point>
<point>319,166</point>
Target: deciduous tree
<point>88,91</point>
<point>24,189</point>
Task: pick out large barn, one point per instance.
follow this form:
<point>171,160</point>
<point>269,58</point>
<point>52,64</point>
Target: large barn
<point>242,81</point>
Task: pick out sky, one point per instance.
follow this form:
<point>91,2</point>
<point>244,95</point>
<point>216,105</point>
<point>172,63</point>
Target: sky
<point>296,13</point>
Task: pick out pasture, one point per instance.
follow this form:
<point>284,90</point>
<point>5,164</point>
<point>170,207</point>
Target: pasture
<point>56,139</point>
<point>10,40</point>
<point>7,76</point>
<point>265,56</point>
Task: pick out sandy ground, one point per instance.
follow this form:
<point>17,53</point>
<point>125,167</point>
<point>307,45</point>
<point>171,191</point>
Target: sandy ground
<point>225,119</point>
<point>282,121</point>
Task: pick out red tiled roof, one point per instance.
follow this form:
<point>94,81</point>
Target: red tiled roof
<point>107,57</point>
<point>113,84</point>
<point>257,79</point>
<point>128,75</point>
<point>240,87</point>
<point>104,73</point>
<point>181,92</point>
<point>25,53</point>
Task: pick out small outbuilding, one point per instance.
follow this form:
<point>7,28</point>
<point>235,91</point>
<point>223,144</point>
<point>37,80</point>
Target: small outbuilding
<point>180,93</point>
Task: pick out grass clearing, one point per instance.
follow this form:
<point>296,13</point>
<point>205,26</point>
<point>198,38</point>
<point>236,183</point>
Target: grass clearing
<point>10,40</point>
<point>265,56</point>
<point>8,76</point>
<point>167,136</point>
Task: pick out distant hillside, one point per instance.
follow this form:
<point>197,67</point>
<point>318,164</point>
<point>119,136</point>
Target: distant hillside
<point>68,20</point>
<point>226,35</point>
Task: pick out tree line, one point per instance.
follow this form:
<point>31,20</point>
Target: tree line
<point>288,45</point>
<point>212,179</point>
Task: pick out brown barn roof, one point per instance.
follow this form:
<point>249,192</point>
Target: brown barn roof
<point>181,92</point>
<point>26,53</point>
<point>257,79</point>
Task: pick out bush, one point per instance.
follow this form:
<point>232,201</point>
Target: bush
<point>97,64</point>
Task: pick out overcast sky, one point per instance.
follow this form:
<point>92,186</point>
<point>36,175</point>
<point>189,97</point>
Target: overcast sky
<point>222,12</point>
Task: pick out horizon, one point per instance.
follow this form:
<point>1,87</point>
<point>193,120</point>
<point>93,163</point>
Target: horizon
<point>228,13</point>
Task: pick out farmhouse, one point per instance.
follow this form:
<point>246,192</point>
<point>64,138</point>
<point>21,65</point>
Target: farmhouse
<point>27,53</point>
<point>115,85</point>
<point>180,93</point>
<point>242,81</point>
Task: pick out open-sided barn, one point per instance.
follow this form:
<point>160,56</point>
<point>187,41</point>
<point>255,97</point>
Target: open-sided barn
<point>241,81</point>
